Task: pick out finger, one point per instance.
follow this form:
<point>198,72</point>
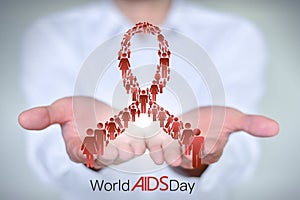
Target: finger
<point>35,118</point>
<point>156,154</point>
<point>172,153</point>
<point>41,117</point>
<point>154,145</point>
<point>138,147</point>
<point>259,126</point>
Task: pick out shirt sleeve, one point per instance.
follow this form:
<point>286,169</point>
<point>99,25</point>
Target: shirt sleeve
<point>49,67</point>
<point>241,61</point>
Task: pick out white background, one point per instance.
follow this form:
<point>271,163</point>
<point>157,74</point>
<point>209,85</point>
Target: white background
<point>278,174</point>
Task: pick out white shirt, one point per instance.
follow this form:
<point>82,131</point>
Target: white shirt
<point>55,48</point>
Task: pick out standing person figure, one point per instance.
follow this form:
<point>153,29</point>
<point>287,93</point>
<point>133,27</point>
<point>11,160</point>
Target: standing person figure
<point>124,65</point>
<point>197,148</point>
<point>100,135</point>
<point>154,111</point>
<point>175,128</point>
<point>169,120</point>
<point>187,138</point>
<point>118,120</point>
<point>126,117</point>
<point>162,116</point>
<point>89,148</point>
<point>112,129</point>
<point>133,112</point>
<point>154,90</point>
<point>143,101</point>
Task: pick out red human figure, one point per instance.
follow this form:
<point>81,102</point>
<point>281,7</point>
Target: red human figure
<point>162,116</point>
<point>111,129</point>
<point>197,148</point>
<point>100,135</point>
<point>89,147</point>
<point>138,112</point>
<point>126,117</point>
<point>137,102</point>
<point>124,65</point>
<point>169,121</point>
<point>134,91</point>
<point>164,71</point>
<point>187,138</point>
<point>175,128</point>
<point>150,103</point>
<point>161,86</point>
<point>127,87</point>
<point>132,112</point>
<point>164,63</point>
<point>149,112</point>
<point>128,53</point>
<point>154,90</point>
<point>154,111</point>
<point>126,38</point>
<point>157,76</point>
<point>143,101</point>
<point>160,38</point>
<point>118,120</point>
<point>131,78</point>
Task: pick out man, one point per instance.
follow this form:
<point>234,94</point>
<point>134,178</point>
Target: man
<point>56,46</point>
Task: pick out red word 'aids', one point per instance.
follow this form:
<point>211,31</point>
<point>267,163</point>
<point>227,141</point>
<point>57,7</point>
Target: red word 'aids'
<point>143,102</point>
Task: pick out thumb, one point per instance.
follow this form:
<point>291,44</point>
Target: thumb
<point>35,119</point>
<point>259,126</point>
<point>39,118</point>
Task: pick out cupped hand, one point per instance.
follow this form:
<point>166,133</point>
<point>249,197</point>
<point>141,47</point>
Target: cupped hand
<point>75,115</point>
<point>217,124</point>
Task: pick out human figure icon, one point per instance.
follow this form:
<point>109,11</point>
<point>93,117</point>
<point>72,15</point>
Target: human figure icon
<point>169,121</point>
<point>127,87</point>
<point>133,112</point>
<point>154,90</point>
<point>157,76</point>
<point>162,116</point>
<point>134,91</point>
<point>126,117</point>
<point>131,78</point>
<point>118,120</point>
<point>154,112</point>
<point>100,135</point>
<point>187,138</point>
<point>161,86</point>
<point>164,63</point>
<point>143,101</point>
<point>175,128</point>
<point>128,53</point>
<point>137,103</point>
<point>138,112</point>
<point>112,129</point>
<point>150,103</point>
<point>89,148</point>
<point>124,65</point>
<point>197,148</point>
<point>160,38</point>
<point>124,81</point>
